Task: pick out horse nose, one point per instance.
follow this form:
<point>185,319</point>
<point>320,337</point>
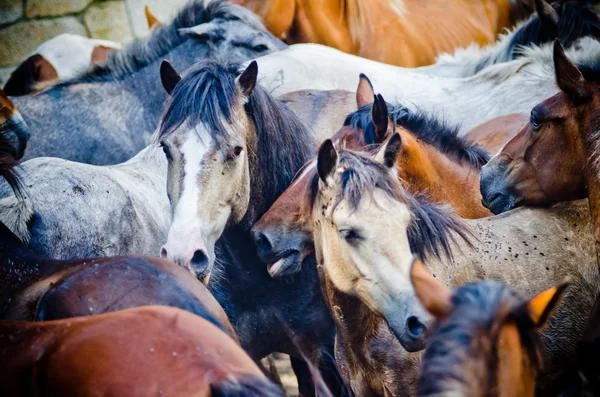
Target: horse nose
<point>163,253</point>
<point>263,244</point>
<point>416,329</point>
<point>199,263</point>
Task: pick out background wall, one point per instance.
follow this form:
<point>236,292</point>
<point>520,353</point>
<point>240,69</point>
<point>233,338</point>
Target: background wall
<point>25,24</point>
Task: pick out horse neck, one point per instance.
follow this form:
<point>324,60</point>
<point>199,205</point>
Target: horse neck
<point>427,170</point>
<point>356,325</point>
<point>593,183</point>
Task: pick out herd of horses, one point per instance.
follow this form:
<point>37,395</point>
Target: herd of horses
<point>210,195</point>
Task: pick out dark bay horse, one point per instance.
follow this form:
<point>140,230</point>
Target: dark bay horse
<point>113,109</point>
<point>363,28</point>
<point>485,339</point>
<point>146,351</point>
<point>227,164</point>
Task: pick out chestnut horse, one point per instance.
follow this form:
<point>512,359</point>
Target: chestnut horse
<point>485,337</point>
<point>406,33</point>
<point>146,351</point>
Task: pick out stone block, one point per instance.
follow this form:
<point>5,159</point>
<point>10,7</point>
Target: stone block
<point>108,21</point>
<point>52,8</point>
<point>5,74</point>
<point>24,37</point>
<point>10,11</point>
<point>164,10</point>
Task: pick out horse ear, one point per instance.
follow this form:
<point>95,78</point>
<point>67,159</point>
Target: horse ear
<point>548,16</point>
<point>151,18</point>
<point>568,77</point>
<point>391,151</point>
<point>326,160</point>
<point>169,76</point>
<point>379,113</point>
<point>433,295</point>
<point>247,80</point>
<point>364,91</point>
<point>541,306</point>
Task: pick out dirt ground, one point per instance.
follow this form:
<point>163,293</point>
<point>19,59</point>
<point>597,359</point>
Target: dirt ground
<point>288,379</point>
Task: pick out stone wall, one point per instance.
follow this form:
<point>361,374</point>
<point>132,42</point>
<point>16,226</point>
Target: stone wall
<point>25,24</point>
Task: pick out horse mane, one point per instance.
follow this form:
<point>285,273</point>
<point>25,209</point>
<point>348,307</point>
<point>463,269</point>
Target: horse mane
<point>245,386</point>
<point>163,39</point>
<point>424,126</point>
<point>431,231</point>
<point>8,162</point>
<point>452,343</point>
<point>576,20</point>
<point>284,143</point>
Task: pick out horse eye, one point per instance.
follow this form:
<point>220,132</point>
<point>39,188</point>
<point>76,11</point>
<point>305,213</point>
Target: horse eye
<point>535,122</point>
<point>235,153</point>
<point>165,150</point>
<point>260,48</point>
<point>350,235</point>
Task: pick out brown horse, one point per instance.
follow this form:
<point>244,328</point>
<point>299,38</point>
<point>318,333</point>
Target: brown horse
<point>146,351</point>
<point>13,129</point>
<point>406,33</point>
<point>546,161</point>
<point>485,338</point>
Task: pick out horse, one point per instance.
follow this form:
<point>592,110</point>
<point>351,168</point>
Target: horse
<point>61,58</point>
<point>361,224</point>
<point>496,90</point>
<point>363,29</point>
<point>114,109</point>
<point>434,162</point>
<point>543,163</point>
<point>227,148</point>
<point>485,338</point>
<point>151,350</point>
<point>13,129</point>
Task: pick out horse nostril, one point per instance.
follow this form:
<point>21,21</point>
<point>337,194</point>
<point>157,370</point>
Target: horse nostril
<point>263,244</point>
<point>199,261</point>
<point>416,328</point>
<point>163,252</point>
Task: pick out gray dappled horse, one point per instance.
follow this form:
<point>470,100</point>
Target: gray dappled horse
<point>108,114</point>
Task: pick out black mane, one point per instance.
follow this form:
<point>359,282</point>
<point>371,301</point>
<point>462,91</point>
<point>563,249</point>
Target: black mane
<point>164,38</point>
<point>207,94</point>
<point>476,306</point>
<point>575,21</point>
<point>7,160</point>
<point>432,230</point>
<point>425,127</point>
